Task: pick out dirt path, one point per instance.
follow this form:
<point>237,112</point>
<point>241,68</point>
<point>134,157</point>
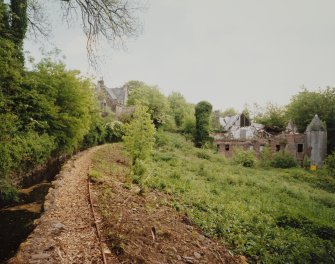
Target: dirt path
<point>65,233</point>
<point>141,225</point>
<point>137,227</point>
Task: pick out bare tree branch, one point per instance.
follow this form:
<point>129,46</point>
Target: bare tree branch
<point>38,24</point>
<point>113,20</point>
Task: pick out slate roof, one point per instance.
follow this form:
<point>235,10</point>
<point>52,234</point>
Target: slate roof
<point>117,94</point>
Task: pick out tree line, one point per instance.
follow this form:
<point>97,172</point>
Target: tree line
<point>50,111</point>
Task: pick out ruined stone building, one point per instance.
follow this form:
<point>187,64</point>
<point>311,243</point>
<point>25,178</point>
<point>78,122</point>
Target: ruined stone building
<point>113,100</point>
<point>240,132</point>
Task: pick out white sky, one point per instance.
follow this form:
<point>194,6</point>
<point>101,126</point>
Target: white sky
<point>228,52</point>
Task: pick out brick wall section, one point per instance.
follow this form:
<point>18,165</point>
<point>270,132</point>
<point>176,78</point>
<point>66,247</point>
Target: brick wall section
<point>287,142</point>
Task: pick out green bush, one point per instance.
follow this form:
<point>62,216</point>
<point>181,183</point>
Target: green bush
<point>139,168</point>
<point>95,136</point>
<point>306,162</point>
<point>330,164</point>
<point>246,158</point>
<point>265,157</point>
<point>7,192</point>
<point>203,155</point>
<point>114,131</point>
<point>162,139</point>
<point>44,112</point>
<point>188,127</point>
<point>283,160</point>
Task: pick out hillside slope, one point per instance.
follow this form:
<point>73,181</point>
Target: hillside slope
<point>140,226</point>
<point>269,215</point>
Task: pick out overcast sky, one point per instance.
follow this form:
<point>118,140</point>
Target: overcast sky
<point>228,52</point>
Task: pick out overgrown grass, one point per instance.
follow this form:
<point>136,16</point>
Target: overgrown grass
<point>270,215</point>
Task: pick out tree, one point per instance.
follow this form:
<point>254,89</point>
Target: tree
<point>203,112</point>
<point>229,112</point>
<point>150,96</point>
<point>215,121</point>
<point>139,138</point>
<point>113,20</point>
<point>180,109</point>
<point>306,104</point>
<point>274,117</point>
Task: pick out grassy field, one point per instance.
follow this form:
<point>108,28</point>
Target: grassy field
<point>270,215</point>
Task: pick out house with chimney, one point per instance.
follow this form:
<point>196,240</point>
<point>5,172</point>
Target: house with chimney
<point>113,100</point>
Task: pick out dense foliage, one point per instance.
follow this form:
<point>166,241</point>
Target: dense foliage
<point>151,97</point>
<point>44,112</point>
<point>139,135</point>
<point>282,159</point>
<point>306,104</point>
<point>246,158</point>
<point>330,164</point>
<point>203,111</point>
<point>273,117</point>
<point>270,216</point>
<point>180,110</point>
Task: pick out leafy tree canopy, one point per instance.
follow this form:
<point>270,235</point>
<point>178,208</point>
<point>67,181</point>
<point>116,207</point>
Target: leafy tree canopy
<point>180,109</point>
<point>230,111</point>
<point>139,138</point>
<point>151,97</point>
<point>306,104</point>
<point>273,117</point>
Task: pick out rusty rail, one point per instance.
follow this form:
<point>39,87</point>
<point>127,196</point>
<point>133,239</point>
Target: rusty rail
<point>95,220</point>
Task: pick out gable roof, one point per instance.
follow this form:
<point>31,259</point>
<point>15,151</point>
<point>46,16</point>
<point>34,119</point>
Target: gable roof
<point>117,94</point>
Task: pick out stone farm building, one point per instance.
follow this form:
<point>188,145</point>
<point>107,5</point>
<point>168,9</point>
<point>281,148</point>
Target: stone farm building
<point>240,132</point>
<point>113,100</point>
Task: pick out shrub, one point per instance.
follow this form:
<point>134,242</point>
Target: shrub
<point>265,157</point>
<point>162,139</point>
<point>96,135</point>
<point>139,168</point>
<point>188,127</point>
<point>330,164</point>
<point>7,192</point>
<point>283,160</point>
<point>114,131</point>
<point>306,162</point>
<point>246,158</point>
<point>203,155</point>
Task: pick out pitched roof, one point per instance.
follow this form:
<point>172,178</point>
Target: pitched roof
<point>316,125</point>
<point>117,94</point>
